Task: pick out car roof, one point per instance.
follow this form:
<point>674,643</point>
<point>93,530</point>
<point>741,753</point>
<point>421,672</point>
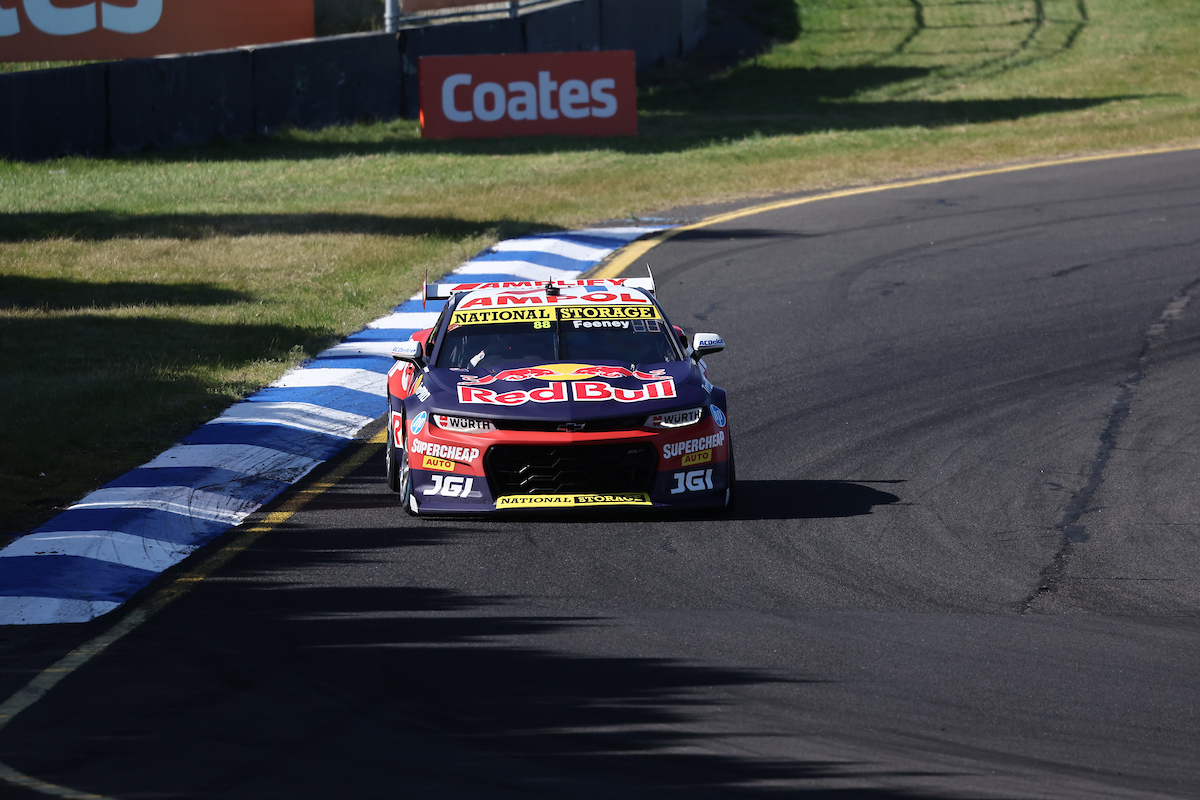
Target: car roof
<point>561,296</point>
<point>613,290</point>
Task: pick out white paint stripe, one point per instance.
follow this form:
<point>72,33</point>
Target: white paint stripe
<point>519,269</point>
<point>558,247</point>
<point>303,416</point>
<point>186,501</point>
<point>624,235</point>
<point>405,320</point>
<point>113,547</point>
<point>49,610</point>
<point>362,380</point>
<point>258,461</point>
<point>382,349</point>
<point>153,555</point>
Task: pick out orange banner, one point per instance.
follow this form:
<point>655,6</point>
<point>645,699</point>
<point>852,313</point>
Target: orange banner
<point>591,93</point>
<point>65,30</point>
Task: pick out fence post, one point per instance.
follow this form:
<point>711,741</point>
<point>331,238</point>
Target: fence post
<point>391,15</point>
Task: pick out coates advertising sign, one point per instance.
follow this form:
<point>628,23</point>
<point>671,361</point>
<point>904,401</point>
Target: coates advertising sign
<point>529,94</point>
<point>66,30</point>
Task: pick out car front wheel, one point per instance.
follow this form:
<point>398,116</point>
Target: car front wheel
<point>731,484</point>
<point>398,477</point>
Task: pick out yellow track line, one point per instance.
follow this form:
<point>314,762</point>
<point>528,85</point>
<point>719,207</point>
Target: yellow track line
<point>637,250</point>
<point>37,688</point>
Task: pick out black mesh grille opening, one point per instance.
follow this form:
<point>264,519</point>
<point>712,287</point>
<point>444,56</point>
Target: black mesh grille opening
<point>593,425</point>
<point>571,469</point>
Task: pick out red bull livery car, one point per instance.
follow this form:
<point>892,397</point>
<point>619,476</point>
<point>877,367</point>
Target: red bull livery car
<point>561,395</point>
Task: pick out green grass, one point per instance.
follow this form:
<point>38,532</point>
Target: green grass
<point>140,296</point>
<point>27,66</point>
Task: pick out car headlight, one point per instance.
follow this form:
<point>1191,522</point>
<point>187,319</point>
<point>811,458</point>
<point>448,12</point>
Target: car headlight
<point>463,424</point>
<point>675,419</point>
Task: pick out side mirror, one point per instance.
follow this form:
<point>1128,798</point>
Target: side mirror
<point>408,351</point>
<point>704,344</point>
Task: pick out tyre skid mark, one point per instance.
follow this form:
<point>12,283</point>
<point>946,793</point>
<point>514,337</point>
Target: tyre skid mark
<point>1072,527</point>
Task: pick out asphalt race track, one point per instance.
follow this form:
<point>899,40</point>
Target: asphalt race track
<point>963,563</point>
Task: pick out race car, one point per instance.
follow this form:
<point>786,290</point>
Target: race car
<point>531,396</point>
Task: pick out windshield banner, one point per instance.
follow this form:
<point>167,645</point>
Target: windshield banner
<point>543,316</point>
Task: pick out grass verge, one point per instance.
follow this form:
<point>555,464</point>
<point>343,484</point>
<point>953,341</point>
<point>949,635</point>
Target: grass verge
<point>140,296</point>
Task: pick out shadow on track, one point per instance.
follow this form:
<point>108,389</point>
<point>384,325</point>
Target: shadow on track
<point>270,689</point>
<point>757,500</point>
<point>760,500</point>
<point>312,667</point>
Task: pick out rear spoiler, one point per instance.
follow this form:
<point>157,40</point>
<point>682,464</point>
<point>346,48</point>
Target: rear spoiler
<point>444,291</point>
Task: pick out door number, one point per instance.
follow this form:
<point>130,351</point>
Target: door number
<point>450,486</point>
<point>695,481</point>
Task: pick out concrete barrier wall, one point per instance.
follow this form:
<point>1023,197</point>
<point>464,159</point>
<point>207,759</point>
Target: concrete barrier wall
<point>457,39</point>
<point>563,29</point>
<point>326,81</point>
<point>163,103</point>
<point>650,27</point>
<point>8,113</point>
<point>694,23</point>
<point>55,112</point>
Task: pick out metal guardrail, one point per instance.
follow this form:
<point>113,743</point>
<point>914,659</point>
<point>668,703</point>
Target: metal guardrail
<point>395,18</point>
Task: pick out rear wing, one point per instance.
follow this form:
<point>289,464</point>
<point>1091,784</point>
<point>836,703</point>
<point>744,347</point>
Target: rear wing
<point>444,291</point>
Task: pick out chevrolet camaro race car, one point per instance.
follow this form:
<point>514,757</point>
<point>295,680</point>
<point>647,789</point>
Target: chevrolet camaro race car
<point>562,395</point>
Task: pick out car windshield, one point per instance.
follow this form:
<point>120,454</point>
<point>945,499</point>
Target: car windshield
<point>628,341</point>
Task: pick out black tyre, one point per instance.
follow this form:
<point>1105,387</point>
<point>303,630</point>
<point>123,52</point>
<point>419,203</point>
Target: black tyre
<point>398,477</point>
<point>731,490</point>
<point>393,469</point>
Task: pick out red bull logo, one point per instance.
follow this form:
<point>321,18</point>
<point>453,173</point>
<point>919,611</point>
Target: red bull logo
<point>597,391</point>
<point>517,375</point>
<point>619,372</point>
<point>583,391</point>
<point>563,372</point>
<point>554,393</point>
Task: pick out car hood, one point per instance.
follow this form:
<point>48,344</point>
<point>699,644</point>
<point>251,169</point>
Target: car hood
<point>566,391</point>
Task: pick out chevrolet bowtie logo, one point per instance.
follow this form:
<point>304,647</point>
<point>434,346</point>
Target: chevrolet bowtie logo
<point>571,426</point>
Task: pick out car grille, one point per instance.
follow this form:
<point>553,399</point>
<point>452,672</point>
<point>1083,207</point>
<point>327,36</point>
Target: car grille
<point>571,469</point>
<point>590,426</point>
